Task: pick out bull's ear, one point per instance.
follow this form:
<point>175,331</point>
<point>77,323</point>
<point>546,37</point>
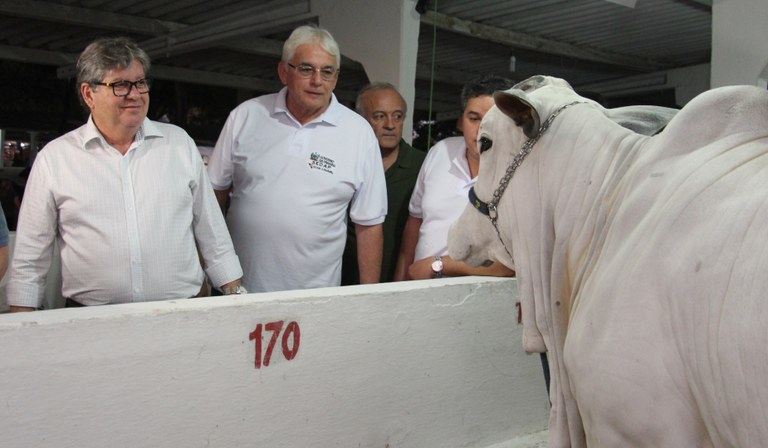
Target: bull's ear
<point>515,105</point>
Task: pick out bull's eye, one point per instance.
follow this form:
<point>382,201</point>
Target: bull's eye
<point>485,144</point>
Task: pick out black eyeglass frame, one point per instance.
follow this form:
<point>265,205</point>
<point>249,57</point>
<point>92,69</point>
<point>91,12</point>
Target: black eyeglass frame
<point>131,85</point>
<point>325,76</point>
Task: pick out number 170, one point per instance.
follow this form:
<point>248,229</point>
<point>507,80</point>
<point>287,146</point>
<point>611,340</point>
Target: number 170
<point>291,332</point>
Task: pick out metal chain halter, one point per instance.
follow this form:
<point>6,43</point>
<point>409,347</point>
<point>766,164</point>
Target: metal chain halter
<point>490,208</point>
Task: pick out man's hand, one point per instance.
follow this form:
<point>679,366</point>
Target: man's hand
<point>21,309</point>
<point>230,286</point>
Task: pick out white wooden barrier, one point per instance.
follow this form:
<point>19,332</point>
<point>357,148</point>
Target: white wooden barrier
<point>415,364</point>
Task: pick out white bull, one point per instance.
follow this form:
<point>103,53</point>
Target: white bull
<point>642,263</point>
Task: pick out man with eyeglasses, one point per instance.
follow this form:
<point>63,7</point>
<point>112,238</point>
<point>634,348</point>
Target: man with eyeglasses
<point>385,110</point>
<point>294,162</point>
<point>127,199</point>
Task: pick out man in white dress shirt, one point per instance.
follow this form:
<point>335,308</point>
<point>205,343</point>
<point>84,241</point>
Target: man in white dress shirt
<point>128,200</point>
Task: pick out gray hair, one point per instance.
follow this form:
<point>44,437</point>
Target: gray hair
<point>377,86</point>
<point>310,34</point>
<point>109,53</point>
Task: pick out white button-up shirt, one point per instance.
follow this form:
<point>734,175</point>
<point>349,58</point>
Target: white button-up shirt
<point>128,225</point>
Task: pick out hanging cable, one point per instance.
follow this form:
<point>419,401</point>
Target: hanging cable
<point>431,81</point>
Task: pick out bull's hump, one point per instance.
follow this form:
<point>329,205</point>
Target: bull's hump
<point>715,115</point>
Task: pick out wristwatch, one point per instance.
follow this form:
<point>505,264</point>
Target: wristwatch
<point>437,267</point>
<point>231,290</point>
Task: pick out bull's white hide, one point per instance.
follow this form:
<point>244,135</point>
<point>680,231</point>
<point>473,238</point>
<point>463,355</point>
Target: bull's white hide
<point>418,364</point>
<point>642,264</point>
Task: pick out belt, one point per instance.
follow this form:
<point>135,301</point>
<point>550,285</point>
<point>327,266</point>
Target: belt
<point>72,304</point>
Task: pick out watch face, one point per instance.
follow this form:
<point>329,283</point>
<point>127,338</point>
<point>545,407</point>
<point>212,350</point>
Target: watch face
<point>437,266</point>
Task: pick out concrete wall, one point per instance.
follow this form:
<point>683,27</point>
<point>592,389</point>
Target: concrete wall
<point>689,82</point>
<point>435,363</point>
<point>383,36</point>
<point>739,36</point>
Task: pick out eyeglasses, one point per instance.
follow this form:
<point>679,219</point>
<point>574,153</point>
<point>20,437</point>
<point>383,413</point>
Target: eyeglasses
<point>306,71</point>
<point>123,88</point>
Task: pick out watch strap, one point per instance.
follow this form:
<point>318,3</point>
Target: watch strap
<point>231,290</point>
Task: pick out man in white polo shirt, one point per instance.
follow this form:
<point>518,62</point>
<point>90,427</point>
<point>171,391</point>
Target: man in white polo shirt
<point>291,164</point>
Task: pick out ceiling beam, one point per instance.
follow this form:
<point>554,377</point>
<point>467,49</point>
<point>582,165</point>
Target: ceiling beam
<point>701,5</point>
<point>158,71</point>
<point>534,43</point>
<point>250,83</point>
<point>170,38</point>
<point>69,15</point>
<point>162,31</point>
<point>66,61</point>
<point>32,56</point>
<point>260,19</point>
<point>213,79</point>
<point>256,45</point>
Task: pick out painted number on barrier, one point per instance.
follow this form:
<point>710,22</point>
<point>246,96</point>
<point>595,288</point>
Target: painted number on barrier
<point>291,338</point>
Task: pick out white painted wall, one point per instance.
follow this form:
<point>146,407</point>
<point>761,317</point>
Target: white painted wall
<point>739,41</point>
<point>689,82</point>
<point>434,363</point>
<point>381,35</point>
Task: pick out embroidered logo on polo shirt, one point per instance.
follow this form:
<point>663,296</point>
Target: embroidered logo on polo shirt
<point>322,163</point>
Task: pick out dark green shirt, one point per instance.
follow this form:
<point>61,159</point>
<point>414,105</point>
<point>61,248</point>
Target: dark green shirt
<point>400,179</point>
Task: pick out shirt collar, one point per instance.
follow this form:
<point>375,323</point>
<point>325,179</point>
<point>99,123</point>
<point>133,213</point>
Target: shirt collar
<point>460,166</point>
<point>92,137</point>
<point>331,115</point>
<point>404,155</point>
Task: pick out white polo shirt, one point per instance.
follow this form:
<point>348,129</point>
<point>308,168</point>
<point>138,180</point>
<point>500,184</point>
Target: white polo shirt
<point>440,195</point>
<point>292,185</point>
